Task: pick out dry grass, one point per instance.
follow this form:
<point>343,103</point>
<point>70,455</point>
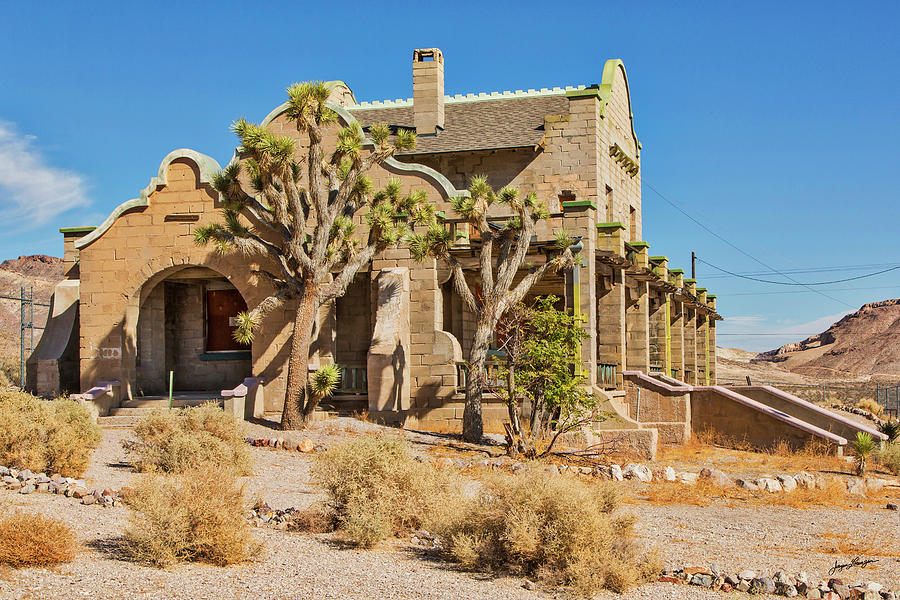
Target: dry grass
<point>884,543</point>
<point>704,492</point>
<point>52,436</point>
<point>889,457</point>
<point>559,530</point>
<point>377,489</point>
<point>712,449</point>
<point>190,438</point>
<point>870,405</point>
<point>33,540</point>
<point>196,516</point>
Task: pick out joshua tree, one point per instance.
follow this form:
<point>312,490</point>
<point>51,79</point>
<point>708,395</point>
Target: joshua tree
<point>502,252</point>
<point>301,223</point>
<point>863,446</point>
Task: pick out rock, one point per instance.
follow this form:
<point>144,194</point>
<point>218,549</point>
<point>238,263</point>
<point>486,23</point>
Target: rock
<point>715,476</point>
<point>9,479</point>
<point>841,589</point>
<point>748,485</point>
<point>4,471</point>
<point>788,483</point>
<point>668,579</point>
<point>639,472</point>
<point>687,478</point>
<point>25,474</point>
<point>444,462</point>
<point>830,596</point>
<point>43,487</point>
<point>668,474</point>
<point>876,483</point>
<point>702,580</point>
<point>27,489</point>
<point>726,587</point>
<point>786,590</point>
<point>519,467</point>
<point>874,586</point>
<point>813,594</point>
<point>732,579</point>
<point>762,585</point>
<point>805,480</point>
<point>320,448</point>
<point>892,506</point>
<point>802,587</point>
<point>306,446</point>
<point>89,499</point>
<point>616,472</point>
<point>552,469</point>
<point>856,486</point>
<point>781,577</point>
<point>78,492</point>
<point>715,571</point>
<point>743,586</point>
<point>747,575</point>
<point>529,585</point>
<point>769,485</point>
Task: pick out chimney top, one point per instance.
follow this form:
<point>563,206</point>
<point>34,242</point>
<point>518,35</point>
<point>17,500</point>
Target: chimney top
<point>428,90</point>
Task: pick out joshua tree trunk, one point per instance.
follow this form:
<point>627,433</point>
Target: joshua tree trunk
<point>473,428</point>
<point>296,412</point>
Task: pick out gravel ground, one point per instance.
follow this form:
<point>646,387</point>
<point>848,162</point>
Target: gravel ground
<point>295,565</point>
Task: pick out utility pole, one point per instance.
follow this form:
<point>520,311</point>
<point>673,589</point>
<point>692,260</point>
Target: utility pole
<point>693,265</point>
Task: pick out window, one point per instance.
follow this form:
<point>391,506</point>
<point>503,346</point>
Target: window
<point>609,204</point>
<point>632,225</point>
<point>222,308</point>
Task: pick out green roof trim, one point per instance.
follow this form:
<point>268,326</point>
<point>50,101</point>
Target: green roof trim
<point>676,271</point>
<point>579,204</point>
<point>666,258</point>
<point>611,225</point>
<point>690,281</point>
<point>711,296</point>
<point>701,290</point>
<point>640,244</point>
<point>603,92</point>
<point>87,229</point>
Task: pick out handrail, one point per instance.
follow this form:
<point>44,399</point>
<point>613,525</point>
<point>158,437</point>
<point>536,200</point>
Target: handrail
<point>652,381</point>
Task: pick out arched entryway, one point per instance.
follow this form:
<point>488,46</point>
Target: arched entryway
<point>184,327</point>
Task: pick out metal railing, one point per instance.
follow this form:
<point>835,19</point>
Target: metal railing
<point>26,323</point>
<point>606,375</point>
<point>491,375</point>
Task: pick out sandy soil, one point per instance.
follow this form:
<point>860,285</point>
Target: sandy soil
<point>294,565</point>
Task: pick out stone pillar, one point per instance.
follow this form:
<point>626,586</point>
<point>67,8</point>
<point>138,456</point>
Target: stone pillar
<point>388,362</point>
<point>637,326</point>
<point>676,338</point>
<point>702,355</point>
<point>658,328</point>
<point>712,352</point>
<point>690,345</point>
<point>611,323</point>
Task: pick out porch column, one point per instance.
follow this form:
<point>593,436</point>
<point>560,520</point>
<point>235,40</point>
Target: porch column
<point>637,326</point>
<point>388,361</point>
<point>610,327</point>
<point>676,338</point>
<point>658,322</point>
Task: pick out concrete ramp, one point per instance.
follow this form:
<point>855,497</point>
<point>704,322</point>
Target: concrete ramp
<point>52,367</point>
<point>807,411</point>
<point>737,417</point>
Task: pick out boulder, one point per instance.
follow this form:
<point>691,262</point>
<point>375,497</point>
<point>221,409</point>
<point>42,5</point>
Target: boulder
<point>788,483</point>
<point>769,485</point>
<point>746,484</point>
<point>762,585</point>
<point>687,478</point>
<point>306,446</point>
<point>639,472</point>
<point>668,474</point>
<point>616,472</point>
<point>701,579</point>
<point>27,489</point>
<point>747,575</point>
<point>716,476</point>
<point>856,487</point>
<point>805,480</point>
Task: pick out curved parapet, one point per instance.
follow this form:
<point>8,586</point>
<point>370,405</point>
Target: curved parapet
<point>52,367</point>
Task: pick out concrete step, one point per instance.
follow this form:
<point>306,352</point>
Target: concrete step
<point>118,422</point>
<point>164,402</point>
<point>131,411</point>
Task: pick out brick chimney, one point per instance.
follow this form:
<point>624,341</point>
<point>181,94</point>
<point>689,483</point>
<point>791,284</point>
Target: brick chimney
<point>428,90</point>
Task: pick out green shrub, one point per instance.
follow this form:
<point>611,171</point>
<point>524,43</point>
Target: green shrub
<point>557,529</point>
<point>193,516</point>
<point>890,428</point>
<point>863,446</point>
<point>376,489</point>
<point>889,457</point>
<point>51,436</point>
<point>180,440</point>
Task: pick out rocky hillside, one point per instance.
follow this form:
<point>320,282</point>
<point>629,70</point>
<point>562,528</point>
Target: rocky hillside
<point>864,343</point>
<point>40,271</point>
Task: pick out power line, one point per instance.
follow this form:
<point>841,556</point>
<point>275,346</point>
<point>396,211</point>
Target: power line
<point>784,334</point>
<point>851,289</point>
<point>729,243</point>
<point>813,270</point>
<point>894,268</point>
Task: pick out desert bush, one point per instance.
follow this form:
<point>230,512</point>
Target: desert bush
<point>890,428</point>
<point>556,529</point>
<point>377,489</point>
<point>181,440</point>
<point>863,446</point>
<point>33,540</point>
<point>40,435</point>
<point>870,405</point>
<point>889,457</point>
<point>193,516</point>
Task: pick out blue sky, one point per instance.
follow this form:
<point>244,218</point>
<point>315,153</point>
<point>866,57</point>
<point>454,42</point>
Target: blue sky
<point>773,124</point>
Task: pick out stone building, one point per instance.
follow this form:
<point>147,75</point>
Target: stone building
<point>141,300</point>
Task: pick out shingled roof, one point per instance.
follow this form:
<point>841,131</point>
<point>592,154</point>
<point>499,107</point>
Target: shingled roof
<point>498,121</point>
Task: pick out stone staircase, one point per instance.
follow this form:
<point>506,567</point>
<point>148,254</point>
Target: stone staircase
<point>132,411</point>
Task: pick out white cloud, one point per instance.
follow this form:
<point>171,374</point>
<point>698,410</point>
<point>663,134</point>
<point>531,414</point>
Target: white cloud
<point>32,191</point>
<point>777,332</point>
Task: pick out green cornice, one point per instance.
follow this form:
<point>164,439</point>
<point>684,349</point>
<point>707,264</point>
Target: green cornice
<point>579,204</point>
<point>676,271</point>
<point>690,281</point>
<point>611,225</point>
<point>659,258</point>
<point>711,296</point>
<point>206,164</point>
<point>89,229</point>
<point>701,289</point>
<point>640,244</point>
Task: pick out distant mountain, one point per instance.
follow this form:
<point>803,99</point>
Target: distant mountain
<point>38,271</point>
<point>864,343</point>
